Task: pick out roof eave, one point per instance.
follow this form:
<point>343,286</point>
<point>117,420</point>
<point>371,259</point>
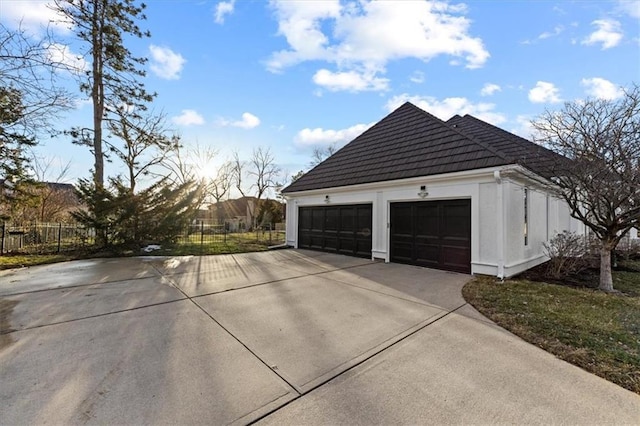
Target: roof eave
<point>465,174</point>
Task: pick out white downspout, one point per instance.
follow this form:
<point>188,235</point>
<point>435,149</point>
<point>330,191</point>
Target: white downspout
<point>500,217</point>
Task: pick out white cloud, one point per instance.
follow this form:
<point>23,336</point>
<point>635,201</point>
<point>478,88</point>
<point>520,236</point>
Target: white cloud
<point>559,10</point>
<point>609,33</point>
<point>34,16</point>
<point>557,30</point>
<point>188,117</point>
<point>319,136</point>
<point>630,7</point>
<point>544,92</point>
<point>365,36</point>
<point>166,63</point>
<point>417,77</point>
<point>80,103</point>
<point>489,89</point>
<point>351,81</point>
<point>446,108</point>
<point>249,121</point>
<point>222,9</point>
<point>601,88</point>
<point>523,127</point>
<point>61,54</point>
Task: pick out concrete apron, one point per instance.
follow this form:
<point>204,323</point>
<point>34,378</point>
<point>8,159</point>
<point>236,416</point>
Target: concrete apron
<point>230,339</point>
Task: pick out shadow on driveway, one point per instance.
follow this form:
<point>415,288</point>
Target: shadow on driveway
<point>287,336</point>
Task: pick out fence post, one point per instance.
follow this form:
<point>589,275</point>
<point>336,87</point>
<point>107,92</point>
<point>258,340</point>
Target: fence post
<point>201,233</point>
<point>224,229</point>
<point>59,235</point>
<point>4,228</point>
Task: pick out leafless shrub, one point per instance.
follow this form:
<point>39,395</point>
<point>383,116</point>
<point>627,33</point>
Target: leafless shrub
<point>567,254</point>
<point>629,248</point>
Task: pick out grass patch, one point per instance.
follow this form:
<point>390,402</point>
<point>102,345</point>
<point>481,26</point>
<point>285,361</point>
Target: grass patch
<point>596,331</point>
<point>10,261</point>
<point>230,247</point>
<point>195,244</point>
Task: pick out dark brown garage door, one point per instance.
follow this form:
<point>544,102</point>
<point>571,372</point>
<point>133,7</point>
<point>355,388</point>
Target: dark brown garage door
<point>336,229</point>
<point>435,234</point>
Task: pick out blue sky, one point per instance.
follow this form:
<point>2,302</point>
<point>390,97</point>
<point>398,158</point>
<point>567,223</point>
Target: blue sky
<point>235,75</point>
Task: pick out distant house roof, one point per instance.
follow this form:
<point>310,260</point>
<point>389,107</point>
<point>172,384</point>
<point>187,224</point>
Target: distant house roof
<point>233,208</point>
<point>60,186</point>
<point>410,142</point>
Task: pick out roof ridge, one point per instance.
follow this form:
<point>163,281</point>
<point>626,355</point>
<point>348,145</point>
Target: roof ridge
<point>512,136</point>
<point>468,136</point>
<point>501,132</point>
<point>477,141</point>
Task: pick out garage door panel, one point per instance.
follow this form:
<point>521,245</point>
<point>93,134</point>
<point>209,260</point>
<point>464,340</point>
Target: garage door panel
<point>317,222</point>
<point>347,245</point>
<point>364,218</point>
<point>434,234</point>
<point>403,251</point>
<point>363,248</point>
<point>401,220</point>
<point>427,252</point>
<point>315,242</point>
<point>347,220</point>
<point>337,229</point>
<point>331,219</point>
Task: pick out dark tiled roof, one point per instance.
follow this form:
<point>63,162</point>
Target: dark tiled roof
<point>526,153</point>
<point>410,142</point>
<point>60,186</point>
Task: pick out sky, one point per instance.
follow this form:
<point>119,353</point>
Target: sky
<point>294,75</point>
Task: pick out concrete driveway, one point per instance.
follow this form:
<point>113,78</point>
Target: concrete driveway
<point>288,336</point>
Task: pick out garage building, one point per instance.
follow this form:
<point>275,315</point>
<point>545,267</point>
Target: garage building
<point>461,195</point>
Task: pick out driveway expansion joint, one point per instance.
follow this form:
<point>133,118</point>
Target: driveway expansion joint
<point>357,364</point>
<point>91,316</point>
<point>191,299</point>
<point>63,287</point>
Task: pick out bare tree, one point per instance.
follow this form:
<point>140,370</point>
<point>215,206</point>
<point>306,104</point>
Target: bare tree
<point>601,180</point>
<point>297,176</point>
<point>238,171</point>
<point>192,165</point>
<point>322,153</point>
<point>31,100</point>
<point>28,67</point>
<point>144,144</point>
<point>50,199</point>
<point>179,166</point>
<point>264,173</point>
<point>220,186</point>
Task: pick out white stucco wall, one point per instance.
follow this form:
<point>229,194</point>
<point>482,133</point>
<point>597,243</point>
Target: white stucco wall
<point>547,216</point>
<point>497,215</point>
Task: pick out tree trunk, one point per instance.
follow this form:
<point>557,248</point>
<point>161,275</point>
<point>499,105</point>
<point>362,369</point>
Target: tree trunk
<point>97,91</point>
<point>606,279</point>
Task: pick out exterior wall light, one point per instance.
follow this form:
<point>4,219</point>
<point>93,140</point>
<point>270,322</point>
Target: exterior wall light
<point>423,192</point>
<point>326,199</point>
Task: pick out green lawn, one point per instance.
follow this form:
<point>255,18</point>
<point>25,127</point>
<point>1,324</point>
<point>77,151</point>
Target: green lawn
<point>21,260</point>
<point>596,331</point>
<point>195,244</point>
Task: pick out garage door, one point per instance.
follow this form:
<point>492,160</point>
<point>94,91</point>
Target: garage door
<point>336,229</point>
<point>435,234</point>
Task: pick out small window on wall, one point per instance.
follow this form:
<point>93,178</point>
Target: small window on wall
<point>526,216</point>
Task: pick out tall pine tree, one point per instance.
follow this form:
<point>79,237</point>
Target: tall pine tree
<point>112,82</point>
